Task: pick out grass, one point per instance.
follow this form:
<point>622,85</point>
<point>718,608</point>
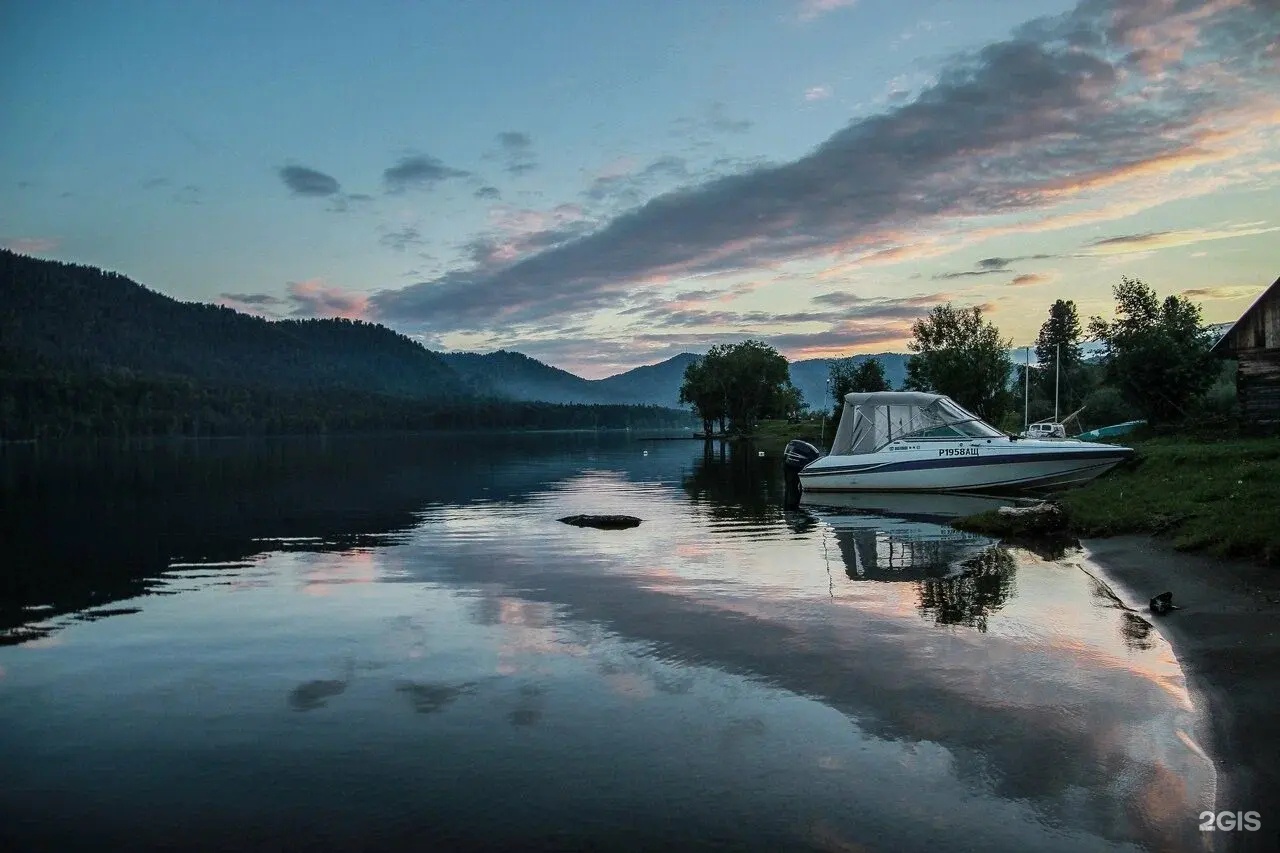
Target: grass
<point>1220,497</point>
<point>774,434</point>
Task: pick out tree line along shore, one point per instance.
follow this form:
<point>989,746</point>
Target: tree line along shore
<point>1198,478</point>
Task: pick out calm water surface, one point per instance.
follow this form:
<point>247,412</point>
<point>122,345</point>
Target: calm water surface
<point>391,643</point>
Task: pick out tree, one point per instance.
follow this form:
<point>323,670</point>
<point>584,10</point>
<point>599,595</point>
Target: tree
<point>849,374</point>
<point>740,383</point>
<point>1058,351</point>
<point>961,355</point>
<point>870,377</point>
<point>1156,352</point>
<point>700,391</point>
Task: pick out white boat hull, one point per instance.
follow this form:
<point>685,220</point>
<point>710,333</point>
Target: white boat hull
<point>947,465</point>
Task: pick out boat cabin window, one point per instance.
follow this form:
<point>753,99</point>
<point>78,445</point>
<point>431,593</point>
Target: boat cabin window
<point>945,431</point>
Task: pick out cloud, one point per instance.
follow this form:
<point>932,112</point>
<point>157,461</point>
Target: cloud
<point>303,181</point>
<point>1054,115</point>
<point>1027,279</point>
<point>517,147</point>
<point>714,120</point>
<point>402,238</point>
<point>1223,292</point>
<point>343,202</point>
<point>29,245</point>
<point>418,171</point>
<point>967,273</point>
<point>253,298</point>
<point>519,233</point>
<point>314,298</point>
<point>488,193</point>
<point>810,9</point>
<point>630,186</point>
<point>515,140</point>
<point>817,93</point>
<point>720,122</point>
<point>990,266</point>
<point>1152,240</point>
<point>839,313</point>
<point>188,194</point>
<point>257,304</point>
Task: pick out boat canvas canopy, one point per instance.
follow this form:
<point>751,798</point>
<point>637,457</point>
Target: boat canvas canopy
<point>869,421</point>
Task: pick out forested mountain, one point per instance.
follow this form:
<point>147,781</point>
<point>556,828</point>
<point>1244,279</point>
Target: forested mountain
<point>514,375</point>
<point>653,384</point>
<point>81,318</point>
<point>519,377</point>
<point>88,352</point>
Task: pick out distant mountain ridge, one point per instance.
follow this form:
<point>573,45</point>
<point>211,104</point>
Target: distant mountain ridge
<point>520,377</point>
<point>810,375</point>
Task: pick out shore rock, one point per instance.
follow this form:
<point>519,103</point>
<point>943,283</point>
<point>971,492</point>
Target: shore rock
<point>1022,522</point>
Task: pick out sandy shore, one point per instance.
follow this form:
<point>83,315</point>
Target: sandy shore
<point>1227,638</point>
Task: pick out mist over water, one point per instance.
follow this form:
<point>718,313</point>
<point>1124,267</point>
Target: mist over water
<point>391,643</point>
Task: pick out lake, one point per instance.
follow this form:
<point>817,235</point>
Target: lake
<point>391,643</point>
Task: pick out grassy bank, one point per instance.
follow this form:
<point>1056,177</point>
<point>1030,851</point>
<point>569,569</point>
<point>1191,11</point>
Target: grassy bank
<point>1216,497</point>
<point>1220,497</point>
<point>779,432</point>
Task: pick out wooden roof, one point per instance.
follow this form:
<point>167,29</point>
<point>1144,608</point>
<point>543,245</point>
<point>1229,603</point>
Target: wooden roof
<point>1257,328</point>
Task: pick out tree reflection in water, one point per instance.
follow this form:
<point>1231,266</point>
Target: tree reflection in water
<point>960,578</point>
<point>968,598</point>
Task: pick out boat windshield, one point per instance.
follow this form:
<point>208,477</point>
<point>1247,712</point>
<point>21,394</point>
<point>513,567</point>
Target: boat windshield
<point>876,423</point>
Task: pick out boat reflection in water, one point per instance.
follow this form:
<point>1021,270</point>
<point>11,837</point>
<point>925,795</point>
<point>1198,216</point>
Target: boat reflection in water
<point>902,537</point>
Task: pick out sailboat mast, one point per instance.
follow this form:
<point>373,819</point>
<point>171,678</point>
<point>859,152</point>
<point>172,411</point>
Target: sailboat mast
<point>1057,371</point>
<point>1026,387</point>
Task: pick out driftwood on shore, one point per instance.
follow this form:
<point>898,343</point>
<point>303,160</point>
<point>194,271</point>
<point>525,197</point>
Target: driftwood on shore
<point>602,522</point>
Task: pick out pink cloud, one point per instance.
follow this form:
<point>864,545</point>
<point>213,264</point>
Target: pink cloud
<point>313,298</point>
<point>817,93</point>
<point>1158,34</point>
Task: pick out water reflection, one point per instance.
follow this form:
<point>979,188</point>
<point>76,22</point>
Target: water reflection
<point>315,694</point>
<point>971,596</point>
<point>428,698</point>
<point>959,578</point>
<point>729,673</point>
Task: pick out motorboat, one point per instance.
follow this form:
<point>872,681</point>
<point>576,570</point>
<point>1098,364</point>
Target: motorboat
<point>920,442</point>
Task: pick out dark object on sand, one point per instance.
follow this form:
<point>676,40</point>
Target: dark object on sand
<point>603,522</point>
<point>1162,604</point>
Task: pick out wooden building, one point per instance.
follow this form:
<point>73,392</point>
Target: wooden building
<point>1254,342</point>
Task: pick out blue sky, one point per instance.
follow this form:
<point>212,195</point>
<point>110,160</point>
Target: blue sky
<point>605,184</point>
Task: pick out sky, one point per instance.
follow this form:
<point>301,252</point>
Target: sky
<point>606,184</point>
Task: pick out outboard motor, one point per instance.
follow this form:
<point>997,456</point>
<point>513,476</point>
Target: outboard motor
<point>795,457</point>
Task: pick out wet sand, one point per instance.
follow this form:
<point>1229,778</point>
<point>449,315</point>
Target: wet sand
<point>1226,635</point>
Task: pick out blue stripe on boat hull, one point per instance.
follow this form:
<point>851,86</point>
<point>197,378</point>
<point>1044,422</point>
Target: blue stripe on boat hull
<point>1112,456</point>
<point>1061,478</point>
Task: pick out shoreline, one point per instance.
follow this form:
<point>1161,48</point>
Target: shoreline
<point>1226,637</point>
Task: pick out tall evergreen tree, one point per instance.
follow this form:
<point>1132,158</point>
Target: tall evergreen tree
<point>1058,352</point>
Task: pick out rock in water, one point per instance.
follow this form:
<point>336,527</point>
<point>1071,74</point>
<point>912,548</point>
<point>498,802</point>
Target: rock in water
<point>603,522</point>
<point>1163,603</point>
